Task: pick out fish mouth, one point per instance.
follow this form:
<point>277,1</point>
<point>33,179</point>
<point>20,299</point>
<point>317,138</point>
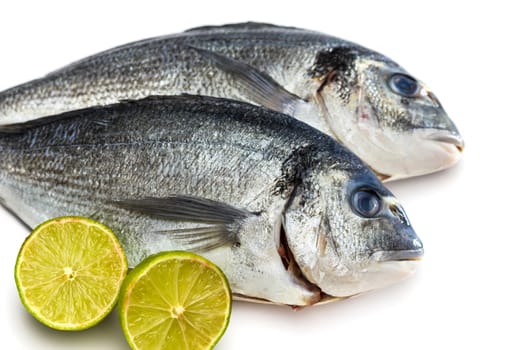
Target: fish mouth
<point>402,261</point>
<point>448,138</point>
<point>398,255</point>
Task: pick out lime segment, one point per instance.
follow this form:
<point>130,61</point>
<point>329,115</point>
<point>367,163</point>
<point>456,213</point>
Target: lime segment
<point>175,300</point>
<point>69,272</point>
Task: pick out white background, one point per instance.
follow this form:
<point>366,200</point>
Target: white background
<point>469,290</point>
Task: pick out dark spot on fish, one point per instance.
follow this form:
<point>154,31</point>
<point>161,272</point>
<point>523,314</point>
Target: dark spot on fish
<point>336,66</point>
<point>292,170</point>
<point>333,59</point>
<point>405,101</point>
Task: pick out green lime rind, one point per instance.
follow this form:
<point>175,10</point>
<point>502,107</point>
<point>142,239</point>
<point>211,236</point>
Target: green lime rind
<point>39,292</point>
<point>148,295</point>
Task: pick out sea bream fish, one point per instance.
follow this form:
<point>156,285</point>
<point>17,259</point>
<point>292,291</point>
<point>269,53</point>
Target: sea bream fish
<point>366,101</point>
<point>290,215</point>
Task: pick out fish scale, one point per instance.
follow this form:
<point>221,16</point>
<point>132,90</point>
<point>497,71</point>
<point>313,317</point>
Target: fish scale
<point>342,88</point>
<point>251,189</point>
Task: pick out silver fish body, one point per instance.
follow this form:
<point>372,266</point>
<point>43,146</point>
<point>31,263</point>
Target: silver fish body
<point>360,97</point>
<point>291,216</point>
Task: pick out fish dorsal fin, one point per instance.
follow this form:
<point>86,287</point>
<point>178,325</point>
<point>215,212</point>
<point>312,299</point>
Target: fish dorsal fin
<point>253,84</point>
<point>18,128</point>
<point>100,115</point>
<point>237,26</point>
<point>219,222</point>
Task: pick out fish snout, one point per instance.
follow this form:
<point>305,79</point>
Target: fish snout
<point>404,244</point>
<point>448,137</point>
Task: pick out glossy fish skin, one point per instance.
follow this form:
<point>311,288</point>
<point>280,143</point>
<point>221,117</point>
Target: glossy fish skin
<point>275,203</point>
<point>363,99</point>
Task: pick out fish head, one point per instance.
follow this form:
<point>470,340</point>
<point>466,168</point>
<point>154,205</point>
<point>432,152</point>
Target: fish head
<point>349,235</point>
<point>390,119</point>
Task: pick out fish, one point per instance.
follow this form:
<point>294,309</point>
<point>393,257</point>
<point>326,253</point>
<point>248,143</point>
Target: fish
<point>291,216</point>
<point>363,99</point>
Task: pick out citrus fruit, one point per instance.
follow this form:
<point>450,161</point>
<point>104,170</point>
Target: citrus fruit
<point>175,300</point>
<point>69,272</point>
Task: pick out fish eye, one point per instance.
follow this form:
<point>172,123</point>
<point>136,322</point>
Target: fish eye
<point>404,85</point>
<point>365,203</point>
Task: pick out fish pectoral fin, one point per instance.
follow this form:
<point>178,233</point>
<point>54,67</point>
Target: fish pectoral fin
<point>202,238</point>
<point>187,208</point>
<point>255,85</point>
<point>220,220</point>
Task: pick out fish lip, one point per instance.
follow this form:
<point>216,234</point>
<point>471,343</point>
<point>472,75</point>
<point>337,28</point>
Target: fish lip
<point>448,137</point>
<point>398,255</point>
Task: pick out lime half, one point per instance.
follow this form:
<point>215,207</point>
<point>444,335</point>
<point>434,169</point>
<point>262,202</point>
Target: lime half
<point>175,300</point>
<point>69,272</point>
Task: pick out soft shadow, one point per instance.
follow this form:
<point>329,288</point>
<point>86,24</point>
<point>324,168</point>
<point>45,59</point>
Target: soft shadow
<point>105,335</point>
<point>430,183</point>
<point>249,316</point>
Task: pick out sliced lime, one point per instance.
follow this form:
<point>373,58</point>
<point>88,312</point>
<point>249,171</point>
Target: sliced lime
<point>69,272</point>
<point>175,300</point>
